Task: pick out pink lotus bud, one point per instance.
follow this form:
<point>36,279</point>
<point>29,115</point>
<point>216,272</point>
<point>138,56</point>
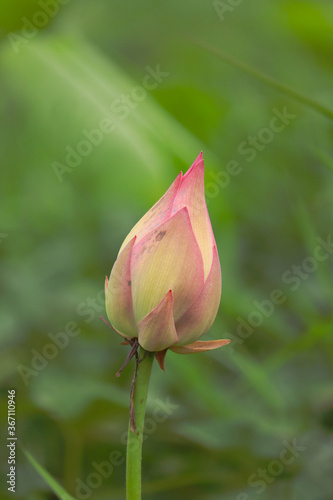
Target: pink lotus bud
<point>165,286</point>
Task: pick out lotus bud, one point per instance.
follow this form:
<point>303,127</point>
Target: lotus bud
<point>165,286</point>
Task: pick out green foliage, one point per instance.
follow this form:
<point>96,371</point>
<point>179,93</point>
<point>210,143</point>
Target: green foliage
<point>58,490</point>
<point>259,106</point>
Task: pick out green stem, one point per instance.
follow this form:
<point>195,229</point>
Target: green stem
<point>134,440</point>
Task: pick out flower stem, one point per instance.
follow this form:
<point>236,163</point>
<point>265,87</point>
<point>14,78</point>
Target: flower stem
<point>134,439</point>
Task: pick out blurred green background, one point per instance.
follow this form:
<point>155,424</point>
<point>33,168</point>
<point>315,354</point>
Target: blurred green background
<point>102,104</point>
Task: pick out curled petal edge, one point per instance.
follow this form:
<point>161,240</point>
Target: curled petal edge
<point>200,346</point>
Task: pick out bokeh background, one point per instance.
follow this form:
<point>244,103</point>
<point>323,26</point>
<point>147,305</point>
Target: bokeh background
<point>102,104</point>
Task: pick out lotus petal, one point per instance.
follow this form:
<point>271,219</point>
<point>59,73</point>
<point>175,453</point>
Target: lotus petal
<point>199,317</point>
<point>167,258</point>
<point>200,346</point>
<point>191,194</point>
<point>157,330</point>
<point>158,214</point>
<point>118,300</point>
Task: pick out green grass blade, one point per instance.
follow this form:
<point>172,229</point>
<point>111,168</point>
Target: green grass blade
<point>53,484</point>
<point>268,80</point>
<point>325,158</point>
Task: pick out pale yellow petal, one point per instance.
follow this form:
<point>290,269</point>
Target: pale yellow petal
<point>159,213</point>
<point>118,300</point>
<point>167,258</point>
<point>157,330</point>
